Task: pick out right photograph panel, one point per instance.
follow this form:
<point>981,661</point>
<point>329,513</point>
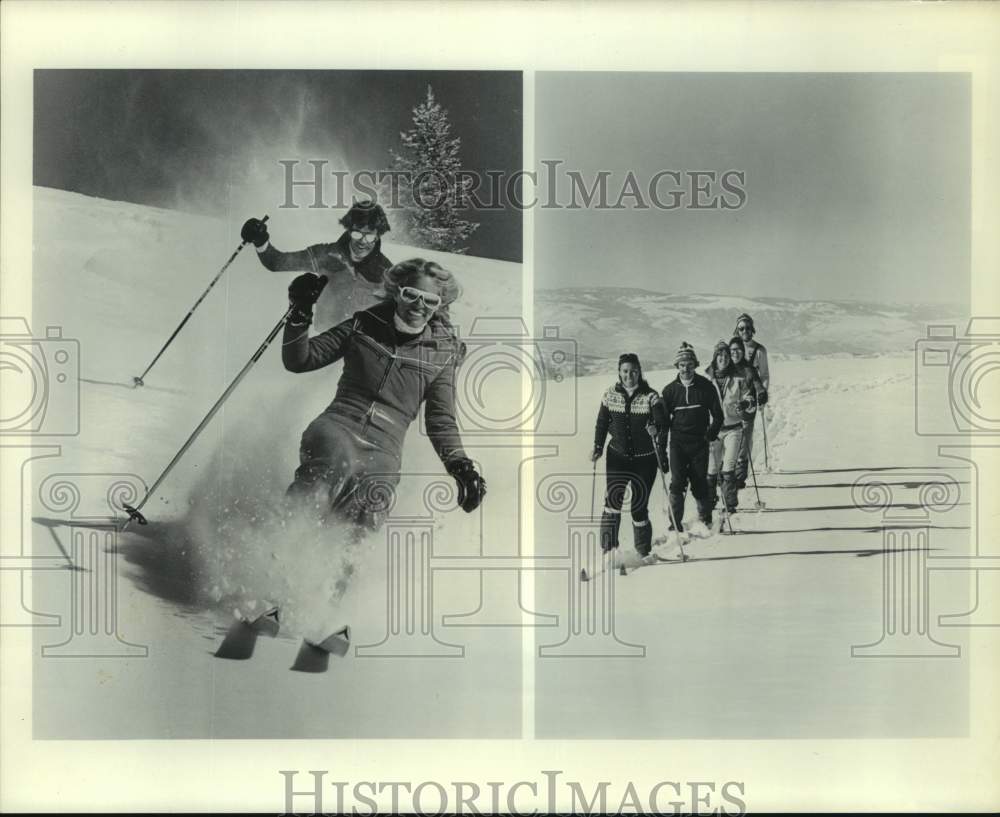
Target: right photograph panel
<point>764,279</point>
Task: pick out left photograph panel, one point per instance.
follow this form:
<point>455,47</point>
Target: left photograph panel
<point>265,389</point>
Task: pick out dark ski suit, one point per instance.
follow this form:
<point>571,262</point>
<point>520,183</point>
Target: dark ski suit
<point>631,462</point>
<point>350,455</point>
<point>694,417</point>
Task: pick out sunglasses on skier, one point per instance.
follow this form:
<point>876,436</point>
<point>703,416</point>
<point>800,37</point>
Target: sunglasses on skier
<point>410,295</point>
<point>368,238</point>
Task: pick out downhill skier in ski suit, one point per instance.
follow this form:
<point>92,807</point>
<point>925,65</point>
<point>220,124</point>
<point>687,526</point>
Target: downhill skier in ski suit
<point>398,355</point>
<point>632,412</point>
<point>354,262</point>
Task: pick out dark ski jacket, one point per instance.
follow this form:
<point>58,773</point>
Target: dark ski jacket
<point>383,384</point>
<point>626,417</point>
<point>692,411</point>
<point>352,286</point>
<point>330,258</point>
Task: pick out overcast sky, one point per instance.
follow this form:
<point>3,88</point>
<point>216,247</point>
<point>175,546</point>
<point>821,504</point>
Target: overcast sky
<point>857,185</point>
<point>210,140</point>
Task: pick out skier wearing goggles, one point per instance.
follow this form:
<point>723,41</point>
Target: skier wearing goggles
<point>398,355</point>
<point>354,263</point>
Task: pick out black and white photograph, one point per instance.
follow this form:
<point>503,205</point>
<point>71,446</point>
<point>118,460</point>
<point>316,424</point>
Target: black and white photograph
<point>499,408</point>
<point>231,240</point>
<point>744,291</point>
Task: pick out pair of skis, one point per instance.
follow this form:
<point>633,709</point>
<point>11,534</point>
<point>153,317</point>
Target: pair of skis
<point>241,640</point>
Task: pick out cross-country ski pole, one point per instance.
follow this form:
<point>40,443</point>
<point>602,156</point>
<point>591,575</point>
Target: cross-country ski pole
<point>134,513</point>
<point>763,417</point>
<point>670,510</point>
<point>593,491</point>
<point>138,381</point>
<point>753,472</point>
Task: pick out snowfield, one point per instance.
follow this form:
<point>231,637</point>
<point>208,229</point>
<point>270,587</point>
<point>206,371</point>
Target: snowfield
<point>750,639</point>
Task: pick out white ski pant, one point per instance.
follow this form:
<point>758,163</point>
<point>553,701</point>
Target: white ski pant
<point>723,452</point>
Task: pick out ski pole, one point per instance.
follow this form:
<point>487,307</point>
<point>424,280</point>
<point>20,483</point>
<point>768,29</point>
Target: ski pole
<point>593,491</point>
<point>138,381</point>
<point>753,472</point>
<point>134,512</point>
<point>763,416</point>
<point>670,510</point>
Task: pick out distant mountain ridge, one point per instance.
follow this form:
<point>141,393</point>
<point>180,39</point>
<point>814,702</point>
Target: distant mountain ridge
<point>606,321</point>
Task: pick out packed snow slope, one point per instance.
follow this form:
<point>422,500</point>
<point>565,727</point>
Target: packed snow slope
<point>653,324</point>
<point>753,639</point>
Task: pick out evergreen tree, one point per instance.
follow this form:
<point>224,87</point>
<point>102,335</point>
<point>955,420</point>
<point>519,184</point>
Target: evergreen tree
<point>430,189</point>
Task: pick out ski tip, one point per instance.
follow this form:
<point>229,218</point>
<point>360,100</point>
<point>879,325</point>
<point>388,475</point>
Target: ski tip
<point>338,643</point>
<point>267,623</point>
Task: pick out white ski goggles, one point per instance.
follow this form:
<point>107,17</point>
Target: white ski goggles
<point>410,295</point>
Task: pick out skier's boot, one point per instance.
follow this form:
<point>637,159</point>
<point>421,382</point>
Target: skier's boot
<point>705,512</point>
<point>729,491</point>
<point>610,525</point>
<point>677,511</point>
<point>642,532</point>
<point>740,475</point>
<point>712,481</point>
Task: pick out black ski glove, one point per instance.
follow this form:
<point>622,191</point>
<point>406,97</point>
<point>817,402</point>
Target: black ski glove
<point>303,293</point>
<point>255,232</point>
<point>596,454</point>
<point>762,398</point>
<point>471,486</point>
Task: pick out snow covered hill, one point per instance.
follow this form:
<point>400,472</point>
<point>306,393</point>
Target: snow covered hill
<point>606,321</point>
<point>752,640</point>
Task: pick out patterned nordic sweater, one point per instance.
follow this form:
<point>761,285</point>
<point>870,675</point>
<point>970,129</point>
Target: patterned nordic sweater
<point>625,417</point>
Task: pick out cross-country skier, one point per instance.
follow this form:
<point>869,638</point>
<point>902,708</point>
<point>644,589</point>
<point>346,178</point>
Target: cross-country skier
<point>739,391</point>
<point>755,355</point>
<point>632,412</point>
<point>398,355</point>
<point>354,263</point>
<point>693,416</point>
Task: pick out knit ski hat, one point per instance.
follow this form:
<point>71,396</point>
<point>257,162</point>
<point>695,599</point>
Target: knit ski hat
<point>686,352</point>
<point>721,346</point>
<point>745,317</point>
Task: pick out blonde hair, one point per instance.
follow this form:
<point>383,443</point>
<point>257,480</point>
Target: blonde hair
<point>405,273</point>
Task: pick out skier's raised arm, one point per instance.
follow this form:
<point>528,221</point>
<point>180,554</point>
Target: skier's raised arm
<point>357,251</point>
<point>299,352</point>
